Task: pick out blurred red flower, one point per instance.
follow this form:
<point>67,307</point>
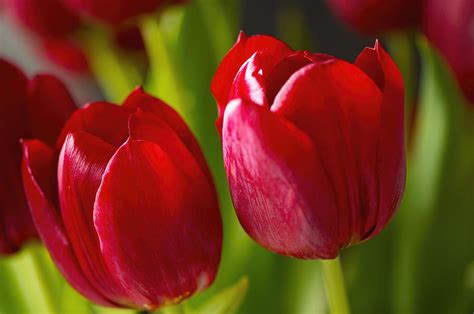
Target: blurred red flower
<point>35,108</point>
<point>449,25</point>
<point>378,16</point>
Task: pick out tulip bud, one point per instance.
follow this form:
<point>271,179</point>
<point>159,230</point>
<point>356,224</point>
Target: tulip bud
<point>28,108</point>
<point>115,12</point>
<point>135,220</point>
<point>378,16</point>
<point>313,145</point>
<point>449,25</point>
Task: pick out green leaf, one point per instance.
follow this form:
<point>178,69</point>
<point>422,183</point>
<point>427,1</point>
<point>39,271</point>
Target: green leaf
<point>434,201</point>
<point>226,301</point>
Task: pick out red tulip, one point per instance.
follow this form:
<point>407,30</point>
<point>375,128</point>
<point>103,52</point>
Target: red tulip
<point>115,11</point>
<point>313,145</point>
<point>449,25</point>
<point>29,108</point>
<point>56,27</point>
<point>378,16</point>
<point>135,221</point>
<point>47,18</point>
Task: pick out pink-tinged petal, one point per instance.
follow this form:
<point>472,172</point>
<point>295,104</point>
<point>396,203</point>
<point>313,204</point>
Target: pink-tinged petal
<point>139,99</point>
<point>81,164</point>
<point>279,188</point>
<point>391,140</point>
<point>338,106</point>
<point>49,107</point>
<point>107,121</point>
<point>159,223</point>
<point>38,169</point>
<point>243,49</point>
<point>16,225</point>
<point>48,18</point>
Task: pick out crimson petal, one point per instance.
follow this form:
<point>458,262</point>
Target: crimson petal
<point>280,191</point>
<point>139,99</point>
<point>102,119</point>
<point>243,49</point>
<point>145,194</point>
<point>38,169</point>
<point>15,223</point>
<point>49,107</point>
<point>81,164</point>
<point>338,106</point>
<point>391,141</point>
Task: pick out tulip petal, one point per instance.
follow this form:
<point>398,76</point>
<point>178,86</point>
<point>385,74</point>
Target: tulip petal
<point>15,224</point>
<point>158,223</point>
<point>38,173</point>
<point>338,106</point>
<point>243,49</point>
<point>49,107</point>
<point>391,141</point>
<point>280,191</point>
<point>81,164</point>
<point>102,119</point>
<point>139,99</point>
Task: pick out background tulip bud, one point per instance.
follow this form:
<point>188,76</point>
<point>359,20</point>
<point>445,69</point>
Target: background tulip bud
<point>115,11</point>
<point>28,108</point>
<point>378,16</point>
<point>313,145</point>
<point>139,223</point>
<point>449,25</point>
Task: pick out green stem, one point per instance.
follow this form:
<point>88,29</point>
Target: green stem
<point>335,287</point>
<point>116,72</point>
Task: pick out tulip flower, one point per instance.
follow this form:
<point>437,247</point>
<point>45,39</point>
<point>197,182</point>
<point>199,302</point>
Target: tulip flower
<point>449,25</point>
<point>115,12</point>
<point>29,108</point>
<point>313,145</point>
<point>56,26</point>
<point>134,220</point>
<point>378,16</point>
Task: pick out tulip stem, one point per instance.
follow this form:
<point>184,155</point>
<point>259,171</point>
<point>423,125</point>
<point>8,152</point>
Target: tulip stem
<point>335,287</point>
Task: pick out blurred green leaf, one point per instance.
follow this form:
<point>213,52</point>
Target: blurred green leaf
<point>437,211</point>
<point>226,301</point>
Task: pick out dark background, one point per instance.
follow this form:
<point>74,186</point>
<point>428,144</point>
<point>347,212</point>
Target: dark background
<point>327,34</point>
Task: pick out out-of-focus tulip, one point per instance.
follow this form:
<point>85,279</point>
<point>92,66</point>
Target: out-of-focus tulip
<point>313,145</point>
<point>56,27</point>
<point>449,25</point>
<point>116,11</point>
<point>378,16</point>
<point>135,220</point>
<point>47,18</point>
<point>28,108</point>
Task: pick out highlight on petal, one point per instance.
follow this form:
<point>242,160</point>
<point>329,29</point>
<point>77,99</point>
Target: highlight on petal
<point>175,206</point>
<point>147,126</point>
<point>280,191</point>
<point>338,106</point>
<point>102,119</point>
<point>38,170</point>
<point>139,99</point>
<point>49,107</point>
<point>81,165</point>
<point>243,49</point>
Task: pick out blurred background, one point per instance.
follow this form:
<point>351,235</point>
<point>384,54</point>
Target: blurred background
<point>423,262</point>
